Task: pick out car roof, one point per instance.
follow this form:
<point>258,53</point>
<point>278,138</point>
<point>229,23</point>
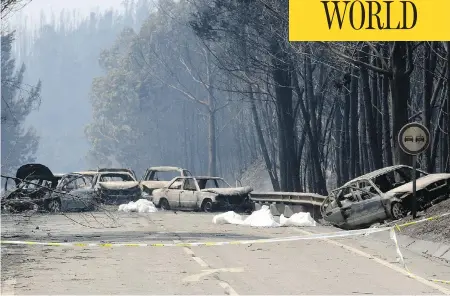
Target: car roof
<point>199,177</point>
<point>86,173</point>
<point>377,173</point>
<point>164,168</point>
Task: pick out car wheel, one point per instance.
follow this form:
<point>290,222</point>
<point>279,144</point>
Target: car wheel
<point>54,206</point>
<point>164,204</point>
<point>398,211</point>
<point>207,206</point>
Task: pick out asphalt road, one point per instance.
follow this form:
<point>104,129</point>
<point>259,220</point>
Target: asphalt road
<point>357,265</point>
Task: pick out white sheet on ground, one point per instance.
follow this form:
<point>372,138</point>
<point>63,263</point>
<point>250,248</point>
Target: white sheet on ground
<point>264,218</point>
<point>140,206</point>
<point>298,219</point>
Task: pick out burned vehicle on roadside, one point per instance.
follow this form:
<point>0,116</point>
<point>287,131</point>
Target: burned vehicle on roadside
<point>72,194</point>
<point>115,187</point>
<point>118,170</point>
<point>202,193</point>
<point>384,194</point>
<point>158,177</point>
<point>30,189</point>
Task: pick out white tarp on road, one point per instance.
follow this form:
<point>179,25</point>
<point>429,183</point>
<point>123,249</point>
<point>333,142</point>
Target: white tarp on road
<point>264,218</point>
<point>140,206</point>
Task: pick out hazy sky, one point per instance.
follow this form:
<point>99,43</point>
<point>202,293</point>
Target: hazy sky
<point>33,9</point>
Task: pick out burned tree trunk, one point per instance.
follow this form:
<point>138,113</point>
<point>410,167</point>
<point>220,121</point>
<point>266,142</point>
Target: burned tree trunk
<point>368,104</point>
<point>402,66</point>
<point>448,106</point>
<point>429,65</point>
<point>354,147</point>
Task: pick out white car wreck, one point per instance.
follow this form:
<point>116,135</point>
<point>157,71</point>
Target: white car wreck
<point>382,195</point>
<point>202,193</point>
<point>158,177</point>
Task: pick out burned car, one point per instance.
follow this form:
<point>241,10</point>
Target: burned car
<point>202,193</point>
<point>30,188</point>
<point>118,170</point>
<point>115,187</point>
<point>381,195</point>
<point>158,177</point>
<point>72,194</point>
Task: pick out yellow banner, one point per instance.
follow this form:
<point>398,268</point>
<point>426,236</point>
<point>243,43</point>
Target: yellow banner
<point>373,20</point>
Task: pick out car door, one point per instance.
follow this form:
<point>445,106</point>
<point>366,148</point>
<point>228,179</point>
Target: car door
<point>83,195</point>
<point>366,208</point>
<point>173,193</point>
<point>188,197</point>
<point>336,209</point>
<point>67,198</point>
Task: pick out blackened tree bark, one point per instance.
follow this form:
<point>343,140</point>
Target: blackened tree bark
<point>346,156</point>
<point>402,66</point>
<point>387,137</point>
<point>429,65</point>
<point>355,169</point>
<point>448,105</point>
<point>368,104</point>
<point>281,73</point>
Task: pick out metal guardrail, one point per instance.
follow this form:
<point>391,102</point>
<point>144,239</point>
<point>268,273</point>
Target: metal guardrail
<point>288,197</point>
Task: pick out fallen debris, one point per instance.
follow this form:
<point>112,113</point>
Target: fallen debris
<point>140,206</point>
<point>264,218</point>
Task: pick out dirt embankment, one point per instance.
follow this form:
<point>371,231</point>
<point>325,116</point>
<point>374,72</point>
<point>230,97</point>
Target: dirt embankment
<point>437,230</point>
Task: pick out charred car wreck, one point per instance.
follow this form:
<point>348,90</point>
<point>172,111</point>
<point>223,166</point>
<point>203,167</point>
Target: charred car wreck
<point>202,193</point>
<point>158,177</point>
<point>30,189</point>
<point>384,194</point>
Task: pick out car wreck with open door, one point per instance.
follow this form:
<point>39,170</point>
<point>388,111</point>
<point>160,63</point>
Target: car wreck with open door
<point>202,193</point>
<point>30,189</point>
<point>384,194</point>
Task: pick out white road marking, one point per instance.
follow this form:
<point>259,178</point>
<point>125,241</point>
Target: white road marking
<point>188,251</point>
<point>228,289</point>
<point>383,262</point>
<point>197,277</point>
<point>200,261</point>
<point>8,287</point>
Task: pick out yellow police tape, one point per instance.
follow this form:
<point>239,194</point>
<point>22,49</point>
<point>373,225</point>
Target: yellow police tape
<point>222,243</point>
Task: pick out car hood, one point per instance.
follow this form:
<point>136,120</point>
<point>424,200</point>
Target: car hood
<point>118,185</point>
<point>154,184</point>
<point>34,170</point>
<point>420,183</point>
<point>229,191</point>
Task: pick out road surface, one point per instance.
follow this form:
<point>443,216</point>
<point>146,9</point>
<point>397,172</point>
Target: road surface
<point>357,265</point>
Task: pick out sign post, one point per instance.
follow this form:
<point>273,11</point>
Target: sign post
<point>413,139</point>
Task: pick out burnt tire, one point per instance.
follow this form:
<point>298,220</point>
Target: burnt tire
<point>207,206</point>
<point>398,211</point>
<point>54,205</point>
<point>164,204</point>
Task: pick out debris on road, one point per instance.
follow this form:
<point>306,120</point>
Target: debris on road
<point>140,206</point>
<point>264,218</point>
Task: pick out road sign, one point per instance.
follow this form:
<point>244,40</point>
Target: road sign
<point>414,138</point>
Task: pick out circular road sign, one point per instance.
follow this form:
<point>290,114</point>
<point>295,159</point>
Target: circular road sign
<point>414,138</point>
